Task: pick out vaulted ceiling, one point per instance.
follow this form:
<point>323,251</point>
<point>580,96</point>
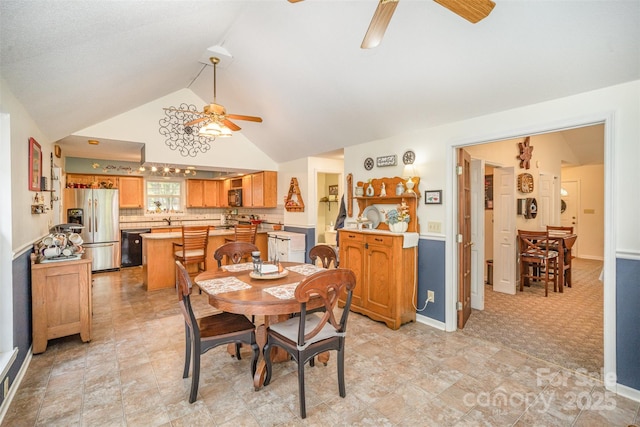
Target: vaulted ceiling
<point>299,66</point>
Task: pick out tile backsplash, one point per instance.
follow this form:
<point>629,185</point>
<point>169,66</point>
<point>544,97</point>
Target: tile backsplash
<point>136,218</point>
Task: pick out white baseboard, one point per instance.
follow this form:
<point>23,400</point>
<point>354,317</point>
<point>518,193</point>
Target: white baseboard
<point>628,392</point>
<point>13,388</point>
<point>430,322</point>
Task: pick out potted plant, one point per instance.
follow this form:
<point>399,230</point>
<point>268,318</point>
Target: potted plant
<point>398,219</point>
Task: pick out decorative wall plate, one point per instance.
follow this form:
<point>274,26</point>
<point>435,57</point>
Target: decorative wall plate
<point>368,163</point>
<point>525,183</point>
<point>408,157</point>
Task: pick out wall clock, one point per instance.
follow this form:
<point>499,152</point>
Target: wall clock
<point>368,163</point>
<point>525,183</point>
<point>408,157</point>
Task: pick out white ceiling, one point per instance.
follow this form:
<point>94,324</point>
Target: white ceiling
<point>73,64</point>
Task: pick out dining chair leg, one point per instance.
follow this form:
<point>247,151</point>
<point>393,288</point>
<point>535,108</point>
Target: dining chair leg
<point>254,359</point>
<point>266,354</point>
<point>195,376</point>
<point>303,408</point>
<point>341,387</point>
<point>187,352</point>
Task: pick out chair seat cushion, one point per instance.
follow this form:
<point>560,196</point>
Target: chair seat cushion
<point>189,253</point>
<point>224,323</point>
<point>289,329</point>
<point>549,255</point>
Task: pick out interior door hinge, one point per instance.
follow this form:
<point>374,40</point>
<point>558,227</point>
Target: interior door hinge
<point>459,305</point>
<point>459,238</point>
<point>459,169</point>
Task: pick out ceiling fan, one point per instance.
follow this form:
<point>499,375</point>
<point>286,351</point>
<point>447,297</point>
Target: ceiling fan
<point>214,117</point>
<point>471,10</point>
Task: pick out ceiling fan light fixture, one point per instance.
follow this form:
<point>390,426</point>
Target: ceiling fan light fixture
<point>225,132</point>
<point>211,129</point>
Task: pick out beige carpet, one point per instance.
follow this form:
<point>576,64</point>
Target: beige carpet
<point>564,328</point>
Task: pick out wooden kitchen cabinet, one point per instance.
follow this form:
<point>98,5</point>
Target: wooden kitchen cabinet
<point>61,301</point>
<point>385,275</point>
<point>247,191</point>
<point>203,193</point>
<point>131,191</point>
<point>260,190</point>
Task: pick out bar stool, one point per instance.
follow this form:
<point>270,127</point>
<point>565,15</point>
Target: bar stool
<point>244,233</point>
<point>193,249</point>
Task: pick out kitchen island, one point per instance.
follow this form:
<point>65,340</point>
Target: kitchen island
<point>158,265</point>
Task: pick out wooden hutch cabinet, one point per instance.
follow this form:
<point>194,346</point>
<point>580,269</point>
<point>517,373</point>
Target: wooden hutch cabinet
<point>386,271</point>
<point>61,300</point>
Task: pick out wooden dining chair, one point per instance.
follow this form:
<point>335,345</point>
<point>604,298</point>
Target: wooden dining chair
<point>566,252</point>
<point>326,254</point>
<point>203,334</point>
<point>234,251</point>
<point>308,335</point>
<point>537,261</point>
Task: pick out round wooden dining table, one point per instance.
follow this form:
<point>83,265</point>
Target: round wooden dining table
<point>247,296</point>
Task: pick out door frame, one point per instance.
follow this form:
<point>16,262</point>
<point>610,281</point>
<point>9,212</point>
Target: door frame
<point>609,276</point>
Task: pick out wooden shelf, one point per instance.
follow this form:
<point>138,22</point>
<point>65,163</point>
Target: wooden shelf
<point>411,199</point>
<point>294,201</point>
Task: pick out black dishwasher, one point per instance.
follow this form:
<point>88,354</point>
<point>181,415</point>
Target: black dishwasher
<point>131,246</point>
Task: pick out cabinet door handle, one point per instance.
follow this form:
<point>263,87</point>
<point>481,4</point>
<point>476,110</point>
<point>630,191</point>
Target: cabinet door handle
<point>377,239</point>
<point>366,246</point>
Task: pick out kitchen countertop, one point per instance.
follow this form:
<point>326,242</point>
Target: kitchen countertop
<point>177,235</point>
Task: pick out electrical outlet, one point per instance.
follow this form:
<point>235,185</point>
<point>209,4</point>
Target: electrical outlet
<point>434,227</point>
<point>431,296</point>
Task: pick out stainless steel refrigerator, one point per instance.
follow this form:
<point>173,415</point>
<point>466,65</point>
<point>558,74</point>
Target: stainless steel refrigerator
<point>99,212</point>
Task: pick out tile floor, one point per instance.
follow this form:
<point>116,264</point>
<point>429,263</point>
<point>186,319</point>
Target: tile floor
<point>131,375</point>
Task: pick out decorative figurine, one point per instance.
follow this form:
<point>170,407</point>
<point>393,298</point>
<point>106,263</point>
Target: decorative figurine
<point>383,191</point>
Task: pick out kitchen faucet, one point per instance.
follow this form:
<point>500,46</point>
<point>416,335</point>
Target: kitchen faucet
<point>168,220</point>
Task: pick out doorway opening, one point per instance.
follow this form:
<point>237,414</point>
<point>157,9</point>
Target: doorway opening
<point>501,316</point>
<point>329,193</point>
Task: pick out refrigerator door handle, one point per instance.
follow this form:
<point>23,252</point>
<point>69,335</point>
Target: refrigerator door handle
<point>90,215</point>
<point>95,209</point>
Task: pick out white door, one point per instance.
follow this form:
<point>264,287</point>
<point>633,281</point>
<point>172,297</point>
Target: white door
<point>546,201</point>
<point>569,218</point>
<point>504,231</point>
<point>477,234</point>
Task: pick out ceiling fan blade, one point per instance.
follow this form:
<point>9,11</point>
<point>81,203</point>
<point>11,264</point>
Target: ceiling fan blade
<point>228,123</point>
<point>471,10</point>
<point>198,120</point>
<point>241,117</point>
<point>379,22</point>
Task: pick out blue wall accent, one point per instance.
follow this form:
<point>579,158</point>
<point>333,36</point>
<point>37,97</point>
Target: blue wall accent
<point>21,267</point>
<point>310,234</point>
<point>627,321</point>
<point>431,256</point>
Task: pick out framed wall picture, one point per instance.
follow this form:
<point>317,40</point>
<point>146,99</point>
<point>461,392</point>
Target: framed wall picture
<point>488,191</point>
<point>433,197</point>
<point>333,190</point>
<point>35,165</point>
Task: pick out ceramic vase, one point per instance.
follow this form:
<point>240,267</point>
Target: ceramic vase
<point>399,227</point>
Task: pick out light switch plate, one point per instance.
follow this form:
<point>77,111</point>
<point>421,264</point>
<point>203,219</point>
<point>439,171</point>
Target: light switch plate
<point>434,227</point>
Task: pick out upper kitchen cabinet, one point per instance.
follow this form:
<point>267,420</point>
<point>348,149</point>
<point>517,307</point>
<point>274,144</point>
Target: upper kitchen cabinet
<point>131,191</point>
<point>247,190</point>
<point>263,190</point>
<point>203,193</point>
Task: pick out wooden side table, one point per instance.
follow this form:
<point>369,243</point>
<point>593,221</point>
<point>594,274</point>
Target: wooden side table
<point>61,300</point>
